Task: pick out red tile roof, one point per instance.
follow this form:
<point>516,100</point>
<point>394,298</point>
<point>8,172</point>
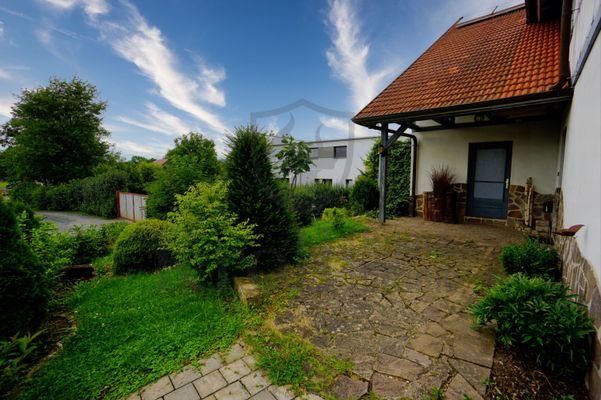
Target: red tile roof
<point>493,58</point>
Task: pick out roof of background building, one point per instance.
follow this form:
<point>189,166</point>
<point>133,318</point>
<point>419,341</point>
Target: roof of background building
<point>490,58</point>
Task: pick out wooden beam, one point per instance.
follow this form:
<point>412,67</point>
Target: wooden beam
<point>395,135</point>
<point>447,122</point>
<point>414,126</point>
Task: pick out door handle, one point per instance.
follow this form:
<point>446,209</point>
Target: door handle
<point>506,183</point>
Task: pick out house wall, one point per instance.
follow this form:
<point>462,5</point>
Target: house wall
<point>534,153</point>
<point>579,200</point>
<point>337,169</point>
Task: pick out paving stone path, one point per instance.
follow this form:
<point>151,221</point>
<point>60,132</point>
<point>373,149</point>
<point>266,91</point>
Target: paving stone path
<point>394,301</point>
<point>232,377</point>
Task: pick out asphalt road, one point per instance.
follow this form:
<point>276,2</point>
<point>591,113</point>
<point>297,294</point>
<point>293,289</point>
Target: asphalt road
<point>67,220</point>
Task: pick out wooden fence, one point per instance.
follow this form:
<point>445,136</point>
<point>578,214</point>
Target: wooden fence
<point>131,206</point>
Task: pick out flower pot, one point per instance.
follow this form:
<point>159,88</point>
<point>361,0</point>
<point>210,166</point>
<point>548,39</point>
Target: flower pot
<point>450,208</point>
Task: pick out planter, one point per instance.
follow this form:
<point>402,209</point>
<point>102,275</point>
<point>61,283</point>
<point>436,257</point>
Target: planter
<point>450,208</point>
<point>438,208</point>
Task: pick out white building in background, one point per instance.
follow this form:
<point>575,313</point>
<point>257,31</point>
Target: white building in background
<point>337,162</point>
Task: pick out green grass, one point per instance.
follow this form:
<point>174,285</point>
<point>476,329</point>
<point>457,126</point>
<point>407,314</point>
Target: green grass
<point>290,360</point>
<point>323,231</point>
<point>3,185</point>
<point>132,330</point>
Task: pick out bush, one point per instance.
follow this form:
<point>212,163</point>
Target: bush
<point>23,285</point>
<point>531,257</point>
<point>110,234</point>
<point>255,196</point>
<point>207,235</point>
<point>337,215</point>
<point>309,201</point>
<point>27,218</point>
<point>29,193</point>
<point>53,249</point>
<point>98,193</point>
<point>142,247</point>
<point>365,195</point>
<point>88,244</point>
<point>15,353</point>
<point>538,316</point>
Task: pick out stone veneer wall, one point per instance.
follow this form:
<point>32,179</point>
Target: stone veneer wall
<point>578,273</point>
<point>515,210</point>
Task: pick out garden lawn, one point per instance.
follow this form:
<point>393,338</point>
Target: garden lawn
<point>132,330</point>
<point>324,231</point>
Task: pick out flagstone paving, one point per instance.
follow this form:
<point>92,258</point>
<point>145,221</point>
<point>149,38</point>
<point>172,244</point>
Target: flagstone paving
<point>232,377</point>
<point>394,301</point>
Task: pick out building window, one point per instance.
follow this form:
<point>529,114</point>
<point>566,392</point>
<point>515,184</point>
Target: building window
<point>314,153</point>
<point>348,182</point>
<point>326,181</point>
<point>339,151</point>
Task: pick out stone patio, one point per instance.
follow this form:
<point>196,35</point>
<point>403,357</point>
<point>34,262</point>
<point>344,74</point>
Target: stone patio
<point>233,377</point>
<point>394,301</point>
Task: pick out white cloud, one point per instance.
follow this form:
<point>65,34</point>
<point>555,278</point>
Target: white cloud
<point>44,36</point>
<point>5,75</point>
<point>5,106</point>
<point>1,29</point>
<point>335,123</point>
<point>157,120</point>
<point>348,55</point>
<point>145,47</point>
<point>92,8</point>
<point>128,147</point>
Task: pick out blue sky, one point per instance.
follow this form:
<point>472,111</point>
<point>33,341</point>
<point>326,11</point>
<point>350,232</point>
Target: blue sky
<point>168,67</point>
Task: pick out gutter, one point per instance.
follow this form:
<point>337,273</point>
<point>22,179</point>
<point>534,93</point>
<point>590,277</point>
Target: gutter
<point>558,96</point>
<point>564,46</point>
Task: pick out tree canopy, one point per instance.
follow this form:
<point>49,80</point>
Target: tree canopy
<point>55,133</point>
<point>192,160</point>
<point>295,158</point>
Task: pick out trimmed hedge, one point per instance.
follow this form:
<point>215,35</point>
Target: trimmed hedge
<point>142,247</point>
<point>365,195</point>
<point>94,195</point>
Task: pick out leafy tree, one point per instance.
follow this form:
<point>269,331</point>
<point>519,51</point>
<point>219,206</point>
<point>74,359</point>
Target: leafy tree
<point>208,236</point>
<point>192,160</point>
<point>295,158</point>
<point>398,175</point>
<point>55,133</point>
<point>255,196</point>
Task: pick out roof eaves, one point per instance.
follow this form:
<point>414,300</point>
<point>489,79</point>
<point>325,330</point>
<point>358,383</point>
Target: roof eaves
<point>556,96</point>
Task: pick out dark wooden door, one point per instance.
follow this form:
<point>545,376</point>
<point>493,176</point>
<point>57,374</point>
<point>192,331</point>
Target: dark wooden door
<point>488,179</point>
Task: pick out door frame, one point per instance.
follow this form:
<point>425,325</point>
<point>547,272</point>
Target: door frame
<point>471,170</point>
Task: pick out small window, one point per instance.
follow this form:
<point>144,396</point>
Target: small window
<point>348,182</point>
<point>326,181</point>
<point>314,153</point>
<point>339,151</point>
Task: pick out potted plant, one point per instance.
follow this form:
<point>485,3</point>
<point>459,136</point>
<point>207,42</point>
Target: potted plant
<point>444,199</point>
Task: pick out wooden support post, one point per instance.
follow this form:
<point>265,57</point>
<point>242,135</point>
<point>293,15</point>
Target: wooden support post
<point>382,171</point>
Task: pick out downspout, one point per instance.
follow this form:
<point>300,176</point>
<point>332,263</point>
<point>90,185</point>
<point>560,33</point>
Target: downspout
<point>564,45</point>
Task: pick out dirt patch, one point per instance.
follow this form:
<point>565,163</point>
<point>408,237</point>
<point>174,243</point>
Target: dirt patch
<point>513,377</point>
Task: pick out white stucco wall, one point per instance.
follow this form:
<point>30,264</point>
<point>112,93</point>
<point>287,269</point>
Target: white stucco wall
<point>534,152</point>
<point>581,178</point>
<point>337,169</point>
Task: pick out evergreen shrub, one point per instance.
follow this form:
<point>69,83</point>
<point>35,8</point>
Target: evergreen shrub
<point>142,247</point>
<point>254,195</point>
